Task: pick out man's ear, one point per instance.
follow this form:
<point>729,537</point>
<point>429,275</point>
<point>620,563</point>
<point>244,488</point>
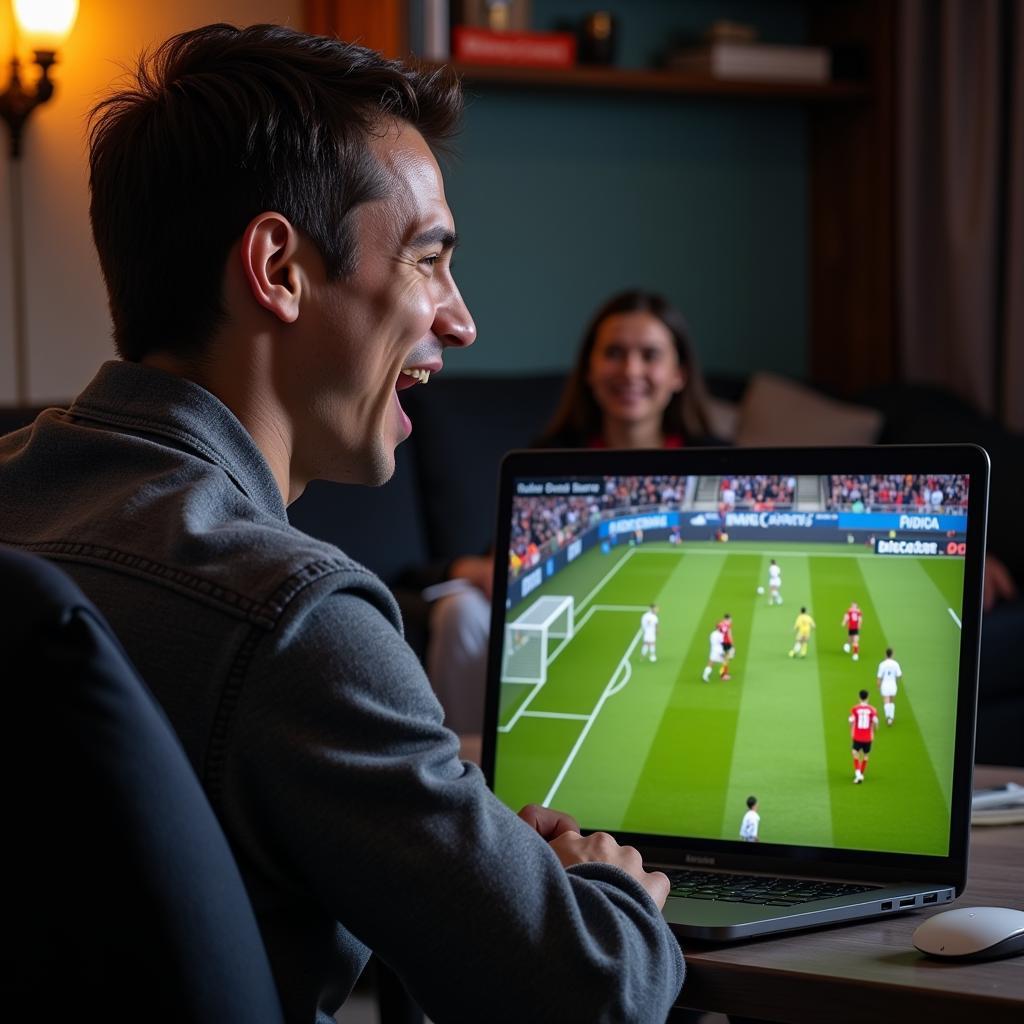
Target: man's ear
<point>268,250</point>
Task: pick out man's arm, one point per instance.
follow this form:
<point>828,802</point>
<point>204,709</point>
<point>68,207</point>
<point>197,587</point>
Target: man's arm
<point>356,796</point>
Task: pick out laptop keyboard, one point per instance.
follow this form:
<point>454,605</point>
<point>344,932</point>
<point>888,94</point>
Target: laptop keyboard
<point>760,889</point>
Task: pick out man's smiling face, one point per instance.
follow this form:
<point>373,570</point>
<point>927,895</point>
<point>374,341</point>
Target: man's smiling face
<point>380,329</point>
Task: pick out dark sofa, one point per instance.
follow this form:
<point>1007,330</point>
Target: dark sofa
<point>441,502</point>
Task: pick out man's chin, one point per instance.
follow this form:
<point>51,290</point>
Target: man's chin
<point>382,474</point>
<point>378,467</point>
<point>372,469</point>
<point>382,463</point>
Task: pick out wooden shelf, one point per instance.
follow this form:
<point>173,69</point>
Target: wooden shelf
<point>592,79</point>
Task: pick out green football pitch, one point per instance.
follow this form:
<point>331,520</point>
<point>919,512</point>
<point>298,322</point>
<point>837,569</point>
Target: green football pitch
<point>626,744</point>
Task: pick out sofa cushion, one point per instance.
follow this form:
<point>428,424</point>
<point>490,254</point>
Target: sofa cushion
<point>778,411</point>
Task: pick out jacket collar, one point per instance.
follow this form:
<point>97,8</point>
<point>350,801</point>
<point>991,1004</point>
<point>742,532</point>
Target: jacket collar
<point>151,401</point>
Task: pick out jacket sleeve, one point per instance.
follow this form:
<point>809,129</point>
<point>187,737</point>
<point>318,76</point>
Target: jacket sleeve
<point>366,805</point>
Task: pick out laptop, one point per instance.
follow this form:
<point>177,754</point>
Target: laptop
<point>680,643</point>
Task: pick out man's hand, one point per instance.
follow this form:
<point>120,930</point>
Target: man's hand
<point>477,569</point>
<point>572,848</point>
<point>548,822</point>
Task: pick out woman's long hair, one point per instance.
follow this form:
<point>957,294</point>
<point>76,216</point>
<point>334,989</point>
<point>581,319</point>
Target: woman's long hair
<point>579,418</point>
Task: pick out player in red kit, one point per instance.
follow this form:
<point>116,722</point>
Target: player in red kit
<point>863,719</point>
<point>852,620</point>
<point>725,628</point>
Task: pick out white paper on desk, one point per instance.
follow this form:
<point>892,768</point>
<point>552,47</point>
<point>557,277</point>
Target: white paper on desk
<point>1010,795</point>
<point>998,805</point>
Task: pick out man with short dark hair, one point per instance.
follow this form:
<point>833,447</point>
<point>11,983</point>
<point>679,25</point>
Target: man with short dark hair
<point>272,227</point>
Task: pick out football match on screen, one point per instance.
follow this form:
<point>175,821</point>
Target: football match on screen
<point>675,646</point>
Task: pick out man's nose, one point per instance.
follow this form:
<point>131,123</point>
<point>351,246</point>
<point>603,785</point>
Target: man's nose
<point>454,323</point>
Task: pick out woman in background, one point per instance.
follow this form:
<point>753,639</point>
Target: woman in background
<point>636,383</point>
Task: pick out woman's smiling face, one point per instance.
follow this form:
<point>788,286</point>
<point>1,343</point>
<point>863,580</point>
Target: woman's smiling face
<point>634,369</point>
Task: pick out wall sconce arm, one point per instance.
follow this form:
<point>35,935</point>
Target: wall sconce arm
<point>17,102</point>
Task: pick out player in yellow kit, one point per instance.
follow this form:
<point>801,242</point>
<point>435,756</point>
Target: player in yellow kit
<point>802,628</point>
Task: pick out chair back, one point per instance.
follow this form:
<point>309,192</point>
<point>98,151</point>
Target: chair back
<point>122,893</point>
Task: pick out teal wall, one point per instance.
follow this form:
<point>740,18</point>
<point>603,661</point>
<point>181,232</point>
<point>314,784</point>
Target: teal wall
<point>562,198</point>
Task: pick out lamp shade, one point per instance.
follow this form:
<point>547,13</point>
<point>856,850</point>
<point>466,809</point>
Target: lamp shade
<point>45,24</point>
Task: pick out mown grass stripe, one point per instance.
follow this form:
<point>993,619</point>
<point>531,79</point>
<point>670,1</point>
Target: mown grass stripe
<point>779,753</point>
<point>926,642</point>
<point>900,806</point>
<point>680,790</point>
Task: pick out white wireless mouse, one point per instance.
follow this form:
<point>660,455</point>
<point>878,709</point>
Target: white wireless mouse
<point>972,933</point>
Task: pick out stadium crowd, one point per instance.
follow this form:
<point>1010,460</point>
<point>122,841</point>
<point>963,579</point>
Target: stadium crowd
<point>545,525</point>
<point>761,493</point>
<point>946,493</point>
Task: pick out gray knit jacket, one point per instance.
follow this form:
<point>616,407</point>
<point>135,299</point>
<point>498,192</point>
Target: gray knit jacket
<point>316,735</point>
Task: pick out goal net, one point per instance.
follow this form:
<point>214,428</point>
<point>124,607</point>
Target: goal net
<point>527,647</point>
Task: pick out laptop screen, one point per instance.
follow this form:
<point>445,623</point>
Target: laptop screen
<point>734,656</point>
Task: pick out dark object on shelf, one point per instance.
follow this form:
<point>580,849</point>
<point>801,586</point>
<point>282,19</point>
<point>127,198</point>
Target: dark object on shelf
<point>496,15</point>
<point>597,38</point>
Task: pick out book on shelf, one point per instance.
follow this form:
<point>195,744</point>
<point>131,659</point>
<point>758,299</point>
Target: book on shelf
<point>519,49</point>
<point>755,62</point>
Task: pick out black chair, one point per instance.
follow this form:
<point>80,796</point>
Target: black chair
<point>121,894</point>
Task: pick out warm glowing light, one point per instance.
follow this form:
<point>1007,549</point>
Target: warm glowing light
<point>45,24</point>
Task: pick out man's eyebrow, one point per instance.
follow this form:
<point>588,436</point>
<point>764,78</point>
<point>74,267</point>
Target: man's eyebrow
<point>435,236</point>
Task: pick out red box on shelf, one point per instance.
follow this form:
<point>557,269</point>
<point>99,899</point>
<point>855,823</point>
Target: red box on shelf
<point>514,49</point>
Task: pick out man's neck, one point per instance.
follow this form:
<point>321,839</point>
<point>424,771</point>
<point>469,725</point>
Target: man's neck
<point>237,384</point>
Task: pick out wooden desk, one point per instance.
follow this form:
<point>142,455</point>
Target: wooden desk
<point>870,973</point>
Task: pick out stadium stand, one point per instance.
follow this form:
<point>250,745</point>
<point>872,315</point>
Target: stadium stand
<point>945,494</point>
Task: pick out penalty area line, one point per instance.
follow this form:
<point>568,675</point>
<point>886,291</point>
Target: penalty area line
<point>554,714</point>
<point>611,687</point>
<point>521,711</point>
<point>955,618</point>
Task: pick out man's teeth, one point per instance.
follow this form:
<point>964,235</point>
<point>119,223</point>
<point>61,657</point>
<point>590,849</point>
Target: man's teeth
<point>417,374</point>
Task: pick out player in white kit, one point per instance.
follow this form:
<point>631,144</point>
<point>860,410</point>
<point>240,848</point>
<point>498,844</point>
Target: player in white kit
<point>649,628</point>
<point>889,672</point>
<point>716,656</point>
<point>751,822</point>
<point>774,583</point>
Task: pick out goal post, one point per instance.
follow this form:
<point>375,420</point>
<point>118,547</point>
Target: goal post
<point>528,638</point>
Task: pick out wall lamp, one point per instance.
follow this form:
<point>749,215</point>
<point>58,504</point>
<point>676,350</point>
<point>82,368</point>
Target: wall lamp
<point>45,24</point>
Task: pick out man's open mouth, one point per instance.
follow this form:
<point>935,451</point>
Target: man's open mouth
<point>413,375</point>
